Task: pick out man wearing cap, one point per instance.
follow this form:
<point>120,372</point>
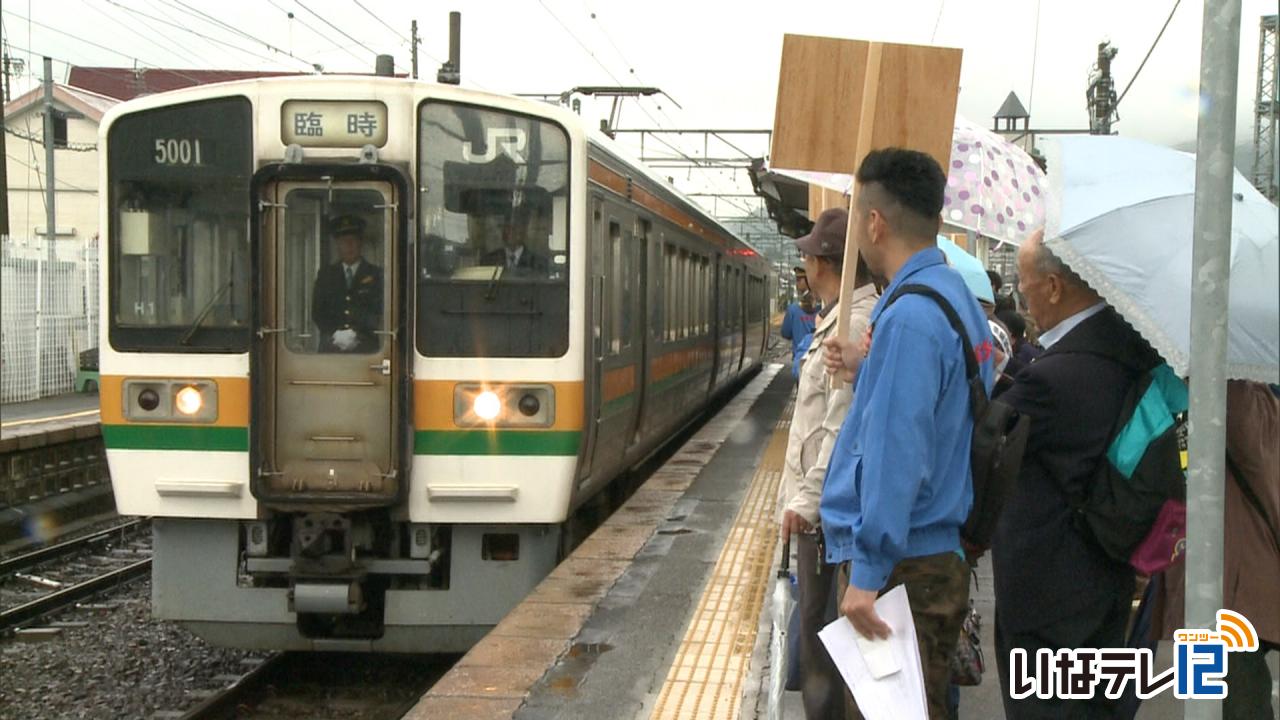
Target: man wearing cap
<point>347,300</point>
<point>819,410</point>
<point>801,318</point>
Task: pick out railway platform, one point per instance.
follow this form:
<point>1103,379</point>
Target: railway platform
<point>665,612</point>
<point>52,467</point>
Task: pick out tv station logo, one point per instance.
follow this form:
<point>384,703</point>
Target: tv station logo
<point>1198,672</point>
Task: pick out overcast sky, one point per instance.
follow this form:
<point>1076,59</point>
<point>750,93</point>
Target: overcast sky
<point>717,59</point>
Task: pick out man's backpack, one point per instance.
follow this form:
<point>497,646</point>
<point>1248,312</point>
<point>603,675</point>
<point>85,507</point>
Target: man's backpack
<point>1143,470</point>
<point>999,437</point>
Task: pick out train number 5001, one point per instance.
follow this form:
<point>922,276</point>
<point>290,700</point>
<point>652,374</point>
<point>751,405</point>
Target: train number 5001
<point>178,152</point>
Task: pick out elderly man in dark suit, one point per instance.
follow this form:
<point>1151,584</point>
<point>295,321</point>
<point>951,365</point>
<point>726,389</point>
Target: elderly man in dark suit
<point>1054,586</point>
<point>347,300</point>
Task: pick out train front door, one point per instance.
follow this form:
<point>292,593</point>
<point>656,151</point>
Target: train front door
<point>328,354</point>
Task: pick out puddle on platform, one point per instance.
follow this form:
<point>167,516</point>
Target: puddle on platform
<point>568,674</point>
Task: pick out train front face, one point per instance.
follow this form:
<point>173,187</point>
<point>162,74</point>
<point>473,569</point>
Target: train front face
<point>344,371</point>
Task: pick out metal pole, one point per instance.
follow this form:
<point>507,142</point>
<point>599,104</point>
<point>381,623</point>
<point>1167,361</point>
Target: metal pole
<point>413,46</point>
<point>45,303</point>
<point>1211,258</point>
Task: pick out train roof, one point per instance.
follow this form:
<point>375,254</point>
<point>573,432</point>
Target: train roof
<point>594,137</point>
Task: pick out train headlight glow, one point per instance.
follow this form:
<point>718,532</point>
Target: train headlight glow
<point>487,406</point>
<point>189,400</point>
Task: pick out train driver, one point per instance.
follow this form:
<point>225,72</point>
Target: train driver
<point>346,303</point>
<point>515,254</point>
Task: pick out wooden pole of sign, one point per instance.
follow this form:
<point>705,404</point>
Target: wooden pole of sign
<point>866,126</point>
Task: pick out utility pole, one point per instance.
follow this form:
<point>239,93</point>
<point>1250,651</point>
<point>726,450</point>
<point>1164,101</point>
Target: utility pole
<point>50,197</point>
<point>413,46</point>
<point>4,151</point>
<point>44,289</point>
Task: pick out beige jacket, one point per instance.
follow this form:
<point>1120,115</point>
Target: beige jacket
<point>819,412</point>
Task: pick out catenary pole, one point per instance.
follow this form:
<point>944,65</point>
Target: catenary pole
<point>1211,256</point>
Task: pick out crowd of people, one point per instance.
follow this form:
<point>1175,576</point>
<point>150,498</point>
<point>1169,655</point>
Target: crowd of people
<point>878,480</point>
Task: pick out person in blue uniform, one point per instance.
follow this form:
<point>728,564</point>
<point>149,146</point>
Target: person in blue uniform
<point>801,317</point>
<point>347,301</point>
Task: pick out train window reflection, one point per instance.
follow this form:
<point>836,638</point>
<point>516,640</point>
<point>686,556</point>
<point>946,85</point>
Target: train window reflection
<point>178,233</point>
<point>493,249</point>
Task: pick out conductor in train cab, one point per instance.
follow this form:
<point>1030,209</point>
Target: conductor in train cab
<point>347,302</point>
<point>515,254</point>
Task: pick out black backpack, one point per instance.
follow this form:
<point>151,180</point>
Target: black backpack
<point>1143,467</point>
<point>999,438</point>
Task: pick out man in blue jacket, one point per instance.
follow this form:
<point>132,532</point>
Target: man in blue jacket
<point>899,485</point>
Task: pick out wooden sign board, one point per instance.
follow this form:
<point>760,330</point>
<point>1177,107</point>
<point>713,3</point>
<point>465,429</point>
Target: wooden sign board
<point>840,99</point>
<point>833,92</point>
<point>823,198</point>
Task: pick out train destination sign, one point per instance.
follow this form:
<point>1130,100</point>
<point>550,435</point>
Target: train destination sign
<point>333,123</point>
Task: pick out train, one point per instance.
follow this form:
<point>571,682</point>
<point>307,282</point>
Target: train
<point>372,344</point>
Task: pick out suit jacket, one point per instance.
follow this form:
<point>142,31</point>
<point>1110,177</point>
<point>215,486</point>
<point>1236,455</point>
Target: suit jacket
<point>1046,569</point>
<point>334,306</point>
<point>530,262</point>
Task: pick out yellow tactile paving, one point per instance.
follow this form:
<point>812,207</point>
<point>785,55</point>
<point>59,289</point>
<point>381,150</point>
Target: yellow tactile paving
<point>714,658</point>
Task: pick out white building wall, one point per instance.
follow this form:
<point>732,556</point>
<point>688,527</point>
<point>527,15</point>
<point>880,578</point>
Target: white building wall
<point>76,174</point>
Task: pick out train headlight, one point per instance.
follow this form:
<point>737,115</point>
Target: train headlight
<point>148,399</point>
<point>530,405</point>
<point>487,406</point>
<point>189,400</point>
<point>168,400</point>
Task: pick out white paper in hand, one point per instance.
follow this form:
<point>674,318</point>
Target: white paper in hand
<point>880,656</point>
<point>895,694</point>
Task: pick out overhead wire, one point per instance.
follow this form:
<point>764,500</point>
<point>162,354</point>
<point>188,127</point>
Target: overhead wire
<point>339,30</point>
<point>196,33</point>
<point>1149,51</point>
<point>337,45</point>
<point>371,14</point>
<point>712,179</point>
<point>237,31</point>
<point>149,38</point>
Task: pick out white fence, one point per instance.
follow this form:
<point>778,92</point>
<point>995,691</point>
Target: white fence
<point>48,315</point>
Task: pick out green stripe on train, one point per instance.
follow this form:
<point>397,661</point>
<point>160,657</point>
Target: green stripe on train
<point>496,442</point>
<point>175,437</point>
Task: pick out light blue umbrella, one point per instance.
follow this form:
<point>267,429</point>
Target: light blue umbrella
<point>1120,216</point>
<point>970,268</point>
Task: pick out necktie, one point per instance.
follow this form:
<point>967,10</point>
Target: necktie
<point>511,258</point>
<point>350,274</point>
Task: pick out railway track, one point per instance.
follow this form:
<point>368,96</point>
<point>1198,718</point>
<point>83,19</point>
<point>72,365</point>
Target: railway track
<point>45,581</point>
<point>337,686</point>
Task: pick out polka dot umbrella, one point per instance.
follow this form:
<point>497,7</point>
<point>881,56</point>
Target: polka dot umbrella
<point>994,188</point>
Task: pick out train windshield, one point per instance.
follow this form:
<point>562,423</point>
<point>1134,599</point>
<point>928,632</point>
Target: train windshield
<point>179,193</point>
<point>493,255</point>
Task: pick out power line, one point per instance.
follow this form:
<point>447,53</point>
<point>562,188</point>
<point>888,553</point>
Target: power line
<point>1149,51</point>
<point>384,22</point>
<point>148,38</point>
<point>30,137</point>
<point>235,30</point>
<point>581,44</point>
<point>336,45</point>
<point>198,34</point>
<point>340,31</point>
<point>40,178</point>
<point>77,37</point>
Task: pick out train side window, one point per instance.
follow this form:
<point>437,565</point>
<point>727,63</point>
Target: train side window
<point>672,295</point>
<point>615,291</point>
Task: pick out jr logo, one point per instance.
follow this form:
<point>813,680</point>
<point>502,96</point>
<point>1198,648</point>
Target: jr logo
<point>507,141</point>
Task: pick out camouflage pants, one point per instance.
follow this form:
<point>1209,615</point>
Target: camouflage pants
<point>938,590</point>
